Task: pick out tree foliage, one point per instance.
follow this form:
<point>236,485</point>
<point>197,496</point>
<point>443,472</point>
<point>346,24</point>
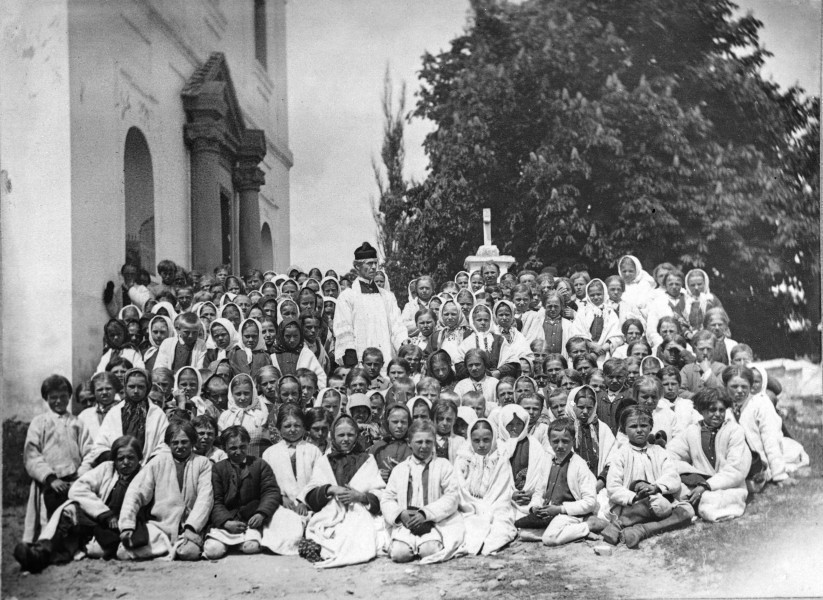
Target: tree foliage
<point>602,128</point>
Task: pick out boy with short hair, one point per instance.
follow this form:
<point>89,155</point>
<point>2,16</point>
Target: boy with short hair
<point>55,445</point>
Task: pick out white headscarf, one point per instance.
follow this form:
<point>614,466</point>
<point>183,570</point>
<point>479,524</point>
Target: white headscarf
<point>256,409</point>
<point>261,345</point>
<point>169,309</point>
<point>483,468</point>
<point>233,337</point>
<point>152,350</point>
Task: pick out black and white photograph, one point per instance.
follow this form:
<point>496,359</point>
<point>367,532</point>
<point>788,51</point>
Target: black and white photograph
<point>411,299</point>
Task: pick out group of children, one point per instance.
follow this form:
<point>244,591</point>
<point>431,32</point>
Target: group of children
<point>530,406</point>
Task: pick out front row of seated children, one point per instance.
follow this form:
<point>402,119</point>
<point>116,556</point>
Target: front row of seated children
<point>424,490</point>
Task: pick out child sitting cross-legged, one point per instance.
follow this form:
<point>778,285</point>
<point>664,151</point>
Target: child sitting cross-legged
<point>642,486</point>
<point>246,495</point>
<point>420,503</point>
<point>567,492</point>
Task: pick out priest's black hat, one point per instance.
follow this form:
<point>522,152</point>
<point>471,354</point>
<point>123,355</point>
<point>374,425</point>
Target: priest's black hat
<point>365,252</point>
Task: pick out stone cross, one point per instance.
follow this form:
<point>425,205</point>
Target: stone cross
<point>487,227</point>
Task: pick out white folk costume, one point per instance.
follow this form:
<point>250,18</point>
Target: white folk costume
<point>639,289</point>
<point>599,324</point>
<point>433,488</point>
<point>198,405</point>
<point>696,306</point>
<point>540,324</point>
<point>666,306</point>
<point>165,354</point>
<point>93,416</point>
<point>537,463</point>
<point>173,505</point>
<point>651,464</point>
<point>582,485</point>
<point>347,535</point>
<point>487,385</point>
<point>725,472</point>
<point>450,339</point>
<point>215,353</point>
<point>54,448</point>
<point>253,417</point>
<point>306,360</point>
<point>292,466</point>
<point>486,488</point>
<point>495,345</point>
<point>150,354</point>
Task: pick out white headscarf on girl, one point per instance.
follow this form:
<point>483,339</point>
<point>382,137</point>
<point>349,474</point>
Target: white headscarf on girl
<point>196,399</point>
<point>152,350</point>
<point>129,307</point>
<point>233,341</point>
<point>592,423</point>
<point>228,298</point>
<point>484,339</point>
<point>202,305</point>
<point>261,345</point>
<point>256,409</point>
<point>597,311</point>
<point>483,469</point>
<point>280,304</point>
<point>467,274</point>
<point>330,278</point>
<point>169,309</point>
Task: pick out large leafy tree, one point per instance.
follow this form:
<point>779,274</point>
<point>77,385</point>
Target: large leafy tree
<point>602,128</point>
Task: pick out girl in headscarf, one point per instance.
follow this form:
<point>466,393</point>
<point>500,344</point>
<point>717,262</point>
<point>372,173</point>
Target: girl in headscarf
<point>598,323</point>
<point>253,355</point>
<point>501,364</point>
<point>135,416</point>
<point>289,288</point>
<point>527,457</point>
<point>290,352</point>
<point>717,321</point>
<point>594,442</point>
<point>292,459</point>
<point>90,516</point>
<point>420,504</point>
<point>452,328</point>
<point>476,283</point>
<point>439,365</point>
<point>486,485</point>
<point>465,300</point>
<point>223,342</point>
<point>699,298</point>
<point>232,312</point>
<point>207,311</point>
<point>287,310</point>
<point>160,328</point>
<point>187,386</point>
<point>245,408</point>
<point>671,303</point>
<point>164,308</point>
<point>639,284</point>
<point>330,287</point>
<point>344,493</point>
<point>177,485</point>
<point>394,447</point>
<point>462,279</point>
<point>116,338</point>
<point>514,343</point>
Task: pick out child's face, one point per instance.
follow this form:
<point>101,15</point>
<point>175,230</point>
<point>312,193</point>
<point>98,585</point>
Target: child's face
<point>584,408</point>
<point>58,400</point>
<point>184,297</point>
<point>596,294</point>
<point>647,398</point>
<point>579,286</point>
<point>135,333</point>
<point>440,369</point>
<point>714,415</point>
<point>422,445</point>
<point>205,439</point>
<point>465,303</point>
<point>445,422</point>
<point>103,392</point>
<point>670,387</point>
<point>219,335</point>
<point>482,320</point>
<point>561,443</point>
<point>637,430</point>
<point>504,317</point>
<point>704,350</point>
<point>337,383</point>
<point>522,388</point>
<point>308,390</point>
<point>534,407</point>
<point>415,359</point>
<point>242,393</point>
<point>425,323</point>
<point>86,398</point>
<point>525,367</point>
<point>319,431</point>
<point>136,389</point>
<point>615,291</point>
<point>292,430</point>
<point>331,404</point>
<point>291,337</point>
<point>478,404</point>
<point>289,310</point>
<point>237,448</point>
<point>476,368</point>
<point>289,289</point>
<point>632,373</point>
<point>208,314</point>
<point>553,369</point>
<point>553,308</point>
<point>116,336</point>
<point>476,282</point>
<point>696,284</point>
<point>614,381</point>
<point>742,358</point>
<point>633,334</point>
<point>372,365</point>
<point>576,350</point>
<point>556,406</point>
<point>421,412</point>
<point>522,301</point>
<point>460,428</point>
<point>717,326</point>
<point>481,439</point>
<point>268,387</point>
<point>597,383</point>
<point>345,437</point>
<point>398,424</point>
<point>673,286</point>
<point>126,462</point>
<point>359,385</point>
<point>567,384</point>
<point>187,382</point>
<point>583,367</point>
<point>515,427</point>
<point>757,381</point>
<point>667,330</point>
<point>451,316</point>
<point>641,351</point>
<point>218,391</point>
<point>505,394</point>
<point>739,388</point>
<point>377,405</point>
<point>628,271</point>
<point>269,333</point>
<point>396,371</point>
<point>462,281</point>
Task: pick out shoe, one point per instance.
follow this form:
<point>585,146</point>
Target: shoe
<point>634,535</point>
<point>611,534</point>
<point>596,525</point>
<point>32,557</point>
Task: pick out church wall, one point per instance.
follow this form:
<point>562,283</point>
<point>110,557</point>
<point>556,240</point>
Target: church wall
<point>35,202</point>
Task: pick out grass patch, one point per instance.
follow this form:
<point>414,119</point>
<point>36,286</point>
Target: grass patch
<point>16,481</point>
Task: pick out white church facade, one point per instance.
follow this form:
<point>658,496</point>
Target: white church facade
<point>154,129</point>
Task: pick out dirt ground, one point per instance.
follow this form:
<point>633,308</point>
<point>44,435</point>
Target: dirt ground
<point>788,566</point>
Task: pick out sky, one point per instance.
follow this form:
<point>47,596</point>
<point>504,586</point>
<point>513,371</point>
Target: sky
<point>338,51</point>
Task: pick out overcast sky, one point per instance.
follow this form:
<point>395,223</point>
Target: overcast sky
<point>337,54</point>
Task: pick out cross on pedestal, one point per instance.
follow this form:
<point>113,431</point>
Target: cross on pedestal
<point>487,227</point>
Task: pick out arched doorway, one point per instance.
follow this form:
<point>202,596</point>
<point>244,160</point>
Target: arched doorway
<point>138,181</point>
<point>266,249</point>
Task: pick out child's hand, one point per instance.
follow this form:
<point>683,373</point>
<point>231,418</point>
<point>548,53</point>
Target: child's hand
<point>384,474</point>
<point>695,495</point>
<point>335,490</point>
<point>550,511</point>
<point>349,496</point>
<point>256,521</point>
<point>568,313</point>
<point>415,520</point>
<point>301,509</point>
<point>521,498</point>
<point>235,526</point>
<point>60,486</point>
<point>406,516</point>
<point>644,490</point>
<point>112,523</point>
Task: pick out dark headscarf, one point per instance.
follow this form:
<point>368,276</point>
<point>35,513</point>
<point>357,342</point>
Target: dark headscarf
<point>345,465</point>
<point>135,412</point>
<point>110,343</point>
<point>280,343</point>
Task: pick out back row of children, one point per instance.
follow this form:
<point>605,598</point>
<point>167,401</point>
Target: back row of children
<point>457,449</point>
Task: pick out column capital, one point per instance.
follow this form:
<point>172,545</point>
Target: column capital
<point>248,178</point>
<point>204,136</point>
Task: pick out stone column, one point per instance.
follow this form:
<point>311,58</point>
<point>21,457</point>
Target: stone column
<point>248,178</point>
<point>205,135</point>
